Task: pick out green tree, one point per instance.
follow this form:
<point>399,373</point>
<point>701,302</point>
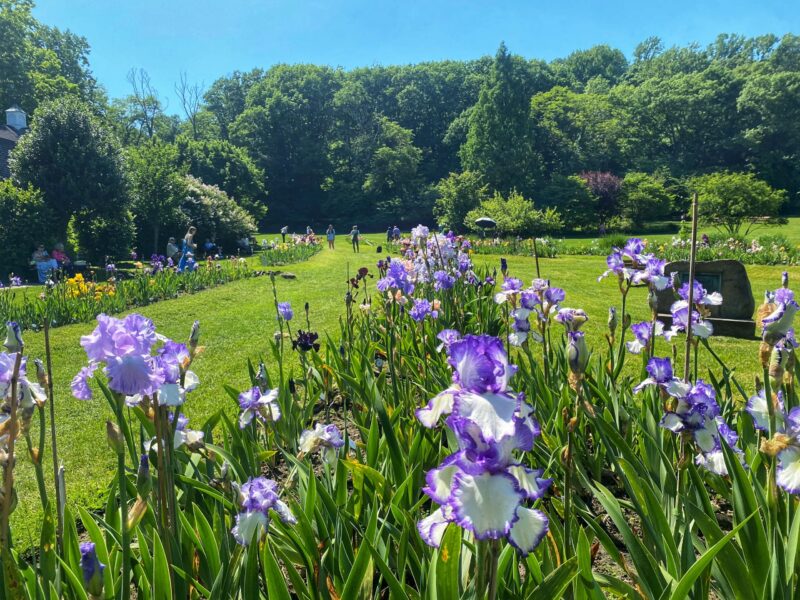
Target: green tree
<point>158,188</point>
<point>393,178</point>
<point>498,142</point>
<point>286,129</point>
<point>39,63</point>
<point>770,107</point>
<point>24,221</point>
<point>732,200</point>
<point>515,215</point>
<point>220,163</point>
<point>574,201</point>
<point>644,198</point>
<point>77,164</point>
<point>459,193</point>
<point>582,66</point>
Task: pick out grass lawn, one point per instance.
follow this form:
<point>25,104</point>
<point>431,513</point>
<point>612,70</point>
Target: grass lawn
<point>237,321</point>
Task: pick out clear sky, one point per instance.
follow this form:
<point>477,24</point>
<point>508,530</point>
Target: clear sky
<point>210,38</point>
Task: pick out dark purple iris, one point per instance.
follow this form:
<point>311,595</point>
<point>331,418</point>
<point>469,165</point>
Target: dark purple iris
<point>305,341</point>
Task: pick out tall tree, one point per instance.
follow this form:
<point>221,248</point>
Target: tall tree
<point>158,188</point>
<point>498,142</point>
<point>77,164</point>
<point>286,128</point>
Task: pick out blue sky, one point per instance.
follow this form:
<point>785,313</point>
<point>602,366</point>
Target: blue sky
<point>210,38</point>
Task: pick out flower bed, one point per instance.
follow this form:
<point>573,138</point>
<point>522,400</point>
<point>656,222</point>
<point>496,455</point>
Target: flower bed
<point>299,248</point>
<point>764,250</point>
<point>78,299</point>
<point>456,438</point>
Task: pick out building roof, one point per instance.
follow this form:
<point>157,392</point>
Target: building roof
<point>8,139</point>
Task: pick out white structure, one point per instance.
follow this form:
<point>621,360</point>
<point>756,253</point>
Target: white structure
<point>16,118</point>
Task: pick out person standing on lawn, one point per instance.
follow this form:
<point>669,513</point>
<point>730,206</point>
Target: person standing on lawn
<point>284,231</point>
<point>331,235</point>
<point>354,237</point>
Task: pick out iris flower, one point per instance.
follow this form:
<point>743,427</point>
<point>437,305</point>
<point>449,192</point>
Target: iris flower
<point>257,497</point>
<point>482,488</point>
<point>285,311</point>
<point>323,437</point>
<point>257,405</point>
<point>642,333</point>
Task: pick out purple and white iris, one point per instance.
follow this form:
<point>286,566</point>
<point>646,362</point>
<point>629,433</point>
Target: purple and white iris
<point>482,487</point>
<point>323,437</point>
<point>257,405</point>
<point>787,438</point>
<point>693,409</point>
<point>642,334</point>
<point>257,497</point>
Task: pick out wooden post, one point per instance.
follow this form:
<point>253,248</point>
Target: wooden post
<point>692,260</point>
<point>536,257</point>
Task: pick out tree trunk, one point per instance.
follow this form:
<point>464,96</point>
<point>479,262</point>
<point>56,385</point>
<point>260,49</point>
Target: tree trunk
<point>156,230</point>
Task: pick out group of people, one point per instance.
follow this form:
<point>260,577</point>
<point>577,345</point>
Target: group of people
<point>47,264</point>
<point>393,234</point>
<point>330,235</point>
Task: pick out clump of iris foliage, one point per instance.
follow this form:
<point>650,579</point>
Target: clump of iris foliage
<point>78,299</point>
<point>277,253</point>
<point>457,438</point>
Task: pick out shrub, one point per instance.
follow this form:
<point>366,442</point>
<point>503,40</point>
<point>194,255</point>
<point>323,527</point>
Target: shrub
<point>215,215</point>
<point>24,221</point>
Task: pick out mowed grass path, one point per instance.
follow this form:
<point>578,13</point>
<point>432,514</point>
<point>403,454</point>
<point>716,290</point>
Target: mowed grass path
<point>237,321</point>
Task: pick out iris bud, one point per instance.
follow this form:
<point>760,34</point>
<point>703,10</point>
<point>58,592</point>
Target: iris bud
<point>194,336</point>
<point>144,482</point>
<point>92,570</point>
<point>41,374</point>
<point>13,341</point>
<point>115,439</point>
<point>612,320</point>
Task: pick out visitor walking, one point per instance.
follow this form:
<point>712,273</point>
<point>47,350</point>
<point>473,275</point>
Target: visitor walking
<point>354,237</point>
<point>331,234</point>
<point>389,234</point>
<point>284,231</point>
<point>189,247</point>
<point>396,233</point>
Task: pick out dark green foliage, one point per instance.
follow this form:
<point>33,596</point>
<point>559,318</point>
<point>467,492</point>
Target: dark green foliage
<point>220,163</point>
<point>574,200</point>
<point>158,188</point>
<point>78,166</point>
<point>498,140</point>
<point>644,199</point>
<point>458,194</point>
<point>24,221</point>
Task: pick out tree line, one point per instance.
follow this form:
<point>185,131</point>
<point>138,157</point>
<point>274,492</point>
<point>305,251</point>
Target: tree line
<point>595,140</point>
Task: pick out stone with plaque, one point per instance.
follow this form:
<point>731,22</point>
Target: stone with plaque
<point>734,317</point>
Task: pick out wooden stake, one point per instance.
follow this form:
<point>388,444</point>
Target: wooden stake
<point>536,257</point>
<point>692,260</point>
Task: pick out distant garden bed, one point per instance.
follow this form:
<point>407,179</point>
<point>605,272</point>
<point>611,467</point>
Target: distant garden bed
<point>767,249</point>
<point>276,253</point>
<point>80,299</point>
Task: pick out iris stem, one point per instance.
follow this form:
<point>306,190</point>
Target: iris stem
<point>568,473</point>
<point>54,448</point>
<point>125,586</point>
